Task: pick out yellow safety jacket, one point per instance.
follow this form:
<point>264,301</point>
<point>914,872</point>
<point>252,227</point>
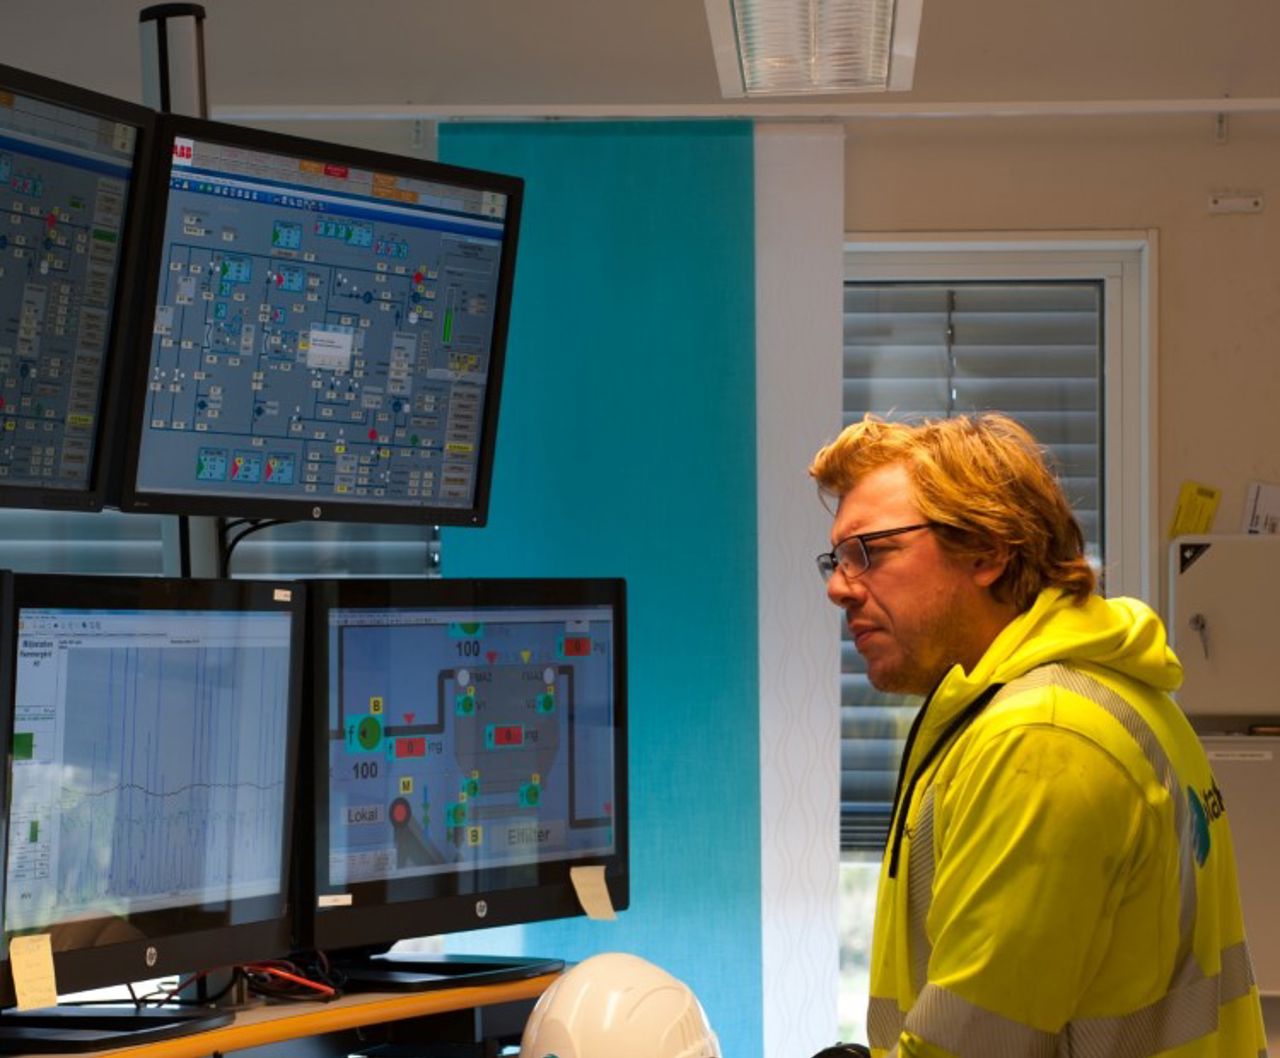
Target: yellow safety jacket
<point>1060,879</point>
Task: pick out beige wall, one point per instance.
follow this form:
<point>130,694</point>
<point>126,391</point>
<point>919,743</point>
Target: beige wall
<point>1218,351</point>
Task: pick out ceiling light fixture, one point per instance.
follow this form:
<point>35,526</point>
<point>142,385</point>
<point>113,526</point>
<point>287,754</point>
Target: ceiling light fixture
<point>813,47</point>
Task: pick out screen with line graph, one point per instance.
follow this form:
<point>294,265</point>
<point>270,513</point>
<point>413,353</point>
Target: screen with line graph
<point>327,331</point>
<point>152,770</point>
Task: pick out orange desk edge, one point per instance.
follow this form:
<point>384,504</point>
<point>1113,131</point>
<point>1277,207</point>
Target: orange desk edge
<point>275,1023</point>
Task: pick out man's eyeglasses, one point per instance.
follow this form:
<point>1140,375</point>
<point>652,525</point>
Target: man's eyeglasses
<point>851,557</point>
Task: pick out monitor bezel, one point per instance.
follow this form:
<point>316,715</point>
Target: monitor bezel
<point>132,497</point>
<point>123,333</point>
<point>193,938</point>
<point>7,670</point>
<point>373,921</point>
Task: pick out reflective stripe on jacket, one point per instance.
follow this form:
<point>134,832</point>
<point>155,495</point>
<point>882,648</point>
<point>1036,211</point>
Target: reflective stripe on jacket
<point>1065,882</point>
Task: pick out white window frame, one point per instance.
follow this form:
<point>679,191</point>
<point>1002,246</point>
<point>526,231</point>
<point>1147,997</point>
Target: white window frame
<point>1125,263</point>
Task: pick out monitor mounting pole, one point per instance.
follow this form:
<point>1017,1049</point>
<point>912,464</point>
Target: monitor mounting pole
<point>173,59</point>
<point>173,81</point>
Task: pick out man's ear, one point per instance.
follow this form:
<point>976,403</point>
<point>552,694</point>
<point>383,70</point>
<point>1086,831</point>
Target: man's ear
<point>989,566</point>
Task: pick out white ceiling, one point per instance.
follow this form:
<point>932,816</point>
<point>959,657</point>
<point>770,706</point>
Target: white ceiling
<point>433,55</point>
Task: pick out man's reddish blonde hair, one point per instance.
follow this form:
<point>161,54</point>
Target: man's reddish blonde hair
<point>983,481</point>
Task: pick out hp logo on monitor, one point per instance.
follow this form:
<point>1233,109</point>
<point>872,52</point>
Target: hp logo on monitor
<point>482,908</point>
<point>150,956</point>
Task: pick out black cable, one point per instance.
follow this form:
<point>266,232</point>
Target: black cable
<point>247,527</point>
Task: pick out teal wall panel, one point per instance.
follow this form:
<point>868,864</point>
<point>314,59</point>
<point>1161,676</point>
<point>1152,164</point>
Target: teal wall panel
<point>626,447</point>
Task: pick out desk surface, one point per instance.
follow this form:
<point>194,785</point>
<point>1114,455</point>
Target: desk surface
<point>279,1022</point>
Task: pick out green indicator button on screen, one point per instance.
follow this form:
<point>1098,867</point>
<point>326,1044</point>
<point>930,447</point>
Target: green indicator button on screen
<point>24,744</point>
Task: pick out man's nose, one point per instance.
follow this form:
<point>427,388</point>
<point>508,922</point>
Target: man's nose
<point>842,591</point>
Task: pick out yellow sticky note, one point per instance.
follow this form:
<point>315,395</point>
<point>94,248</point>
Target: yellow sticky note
<point>593,893</point>
<point>1196,507</point>
<point>31,959</point>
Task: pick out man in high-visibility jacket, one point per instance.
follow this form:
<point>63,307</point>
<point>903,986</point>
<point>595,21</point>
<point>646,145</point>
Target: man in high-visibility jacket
<point>1059,878</point>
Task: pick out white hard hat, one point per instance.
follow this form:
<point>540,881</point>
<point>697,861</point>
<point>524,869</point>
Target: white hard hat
<point>618,1006</point>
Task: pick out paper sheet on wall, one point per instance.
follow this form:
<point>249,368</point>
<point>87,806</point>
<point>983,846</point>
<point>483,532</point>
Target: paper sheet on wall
<point>593,893</point>
<point>31,960</point>
<point>1262,508</point>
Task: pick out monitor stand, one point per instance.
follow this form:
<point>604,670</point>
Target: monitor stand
<point>98,1027</point>
<point>411,972</point>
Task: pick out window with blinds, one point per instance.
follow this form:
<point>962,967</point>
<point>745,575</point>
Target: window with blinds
<point>112,543</point>
<point>1031,349</point>
<point>66,542</point>
<point>337,549</point>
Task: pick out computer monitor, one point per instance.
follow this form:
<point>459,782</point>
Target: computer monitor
<point>469,752</point>
<point>328,332</point>
<point>70,188</point>
<point>154,726</point>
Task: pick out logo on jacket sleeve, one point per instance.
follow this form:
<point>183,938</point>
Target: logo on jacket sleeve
<point>1206,808</point>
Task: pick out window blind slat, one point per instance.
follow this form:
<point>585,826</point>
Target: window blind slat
<point>39,541</point>
<point>33,541</point>
<point>369,559</point>
<point>77,525</point>
<point>1027,394</point>
<point>1009,298</point>
<point>92,556</point>
<point>339,549</point>
<point>905,360</point>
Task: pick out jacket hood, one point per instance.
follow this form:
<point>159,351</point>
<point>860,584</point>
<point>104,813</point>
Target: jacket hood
<point>1122,635</point>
